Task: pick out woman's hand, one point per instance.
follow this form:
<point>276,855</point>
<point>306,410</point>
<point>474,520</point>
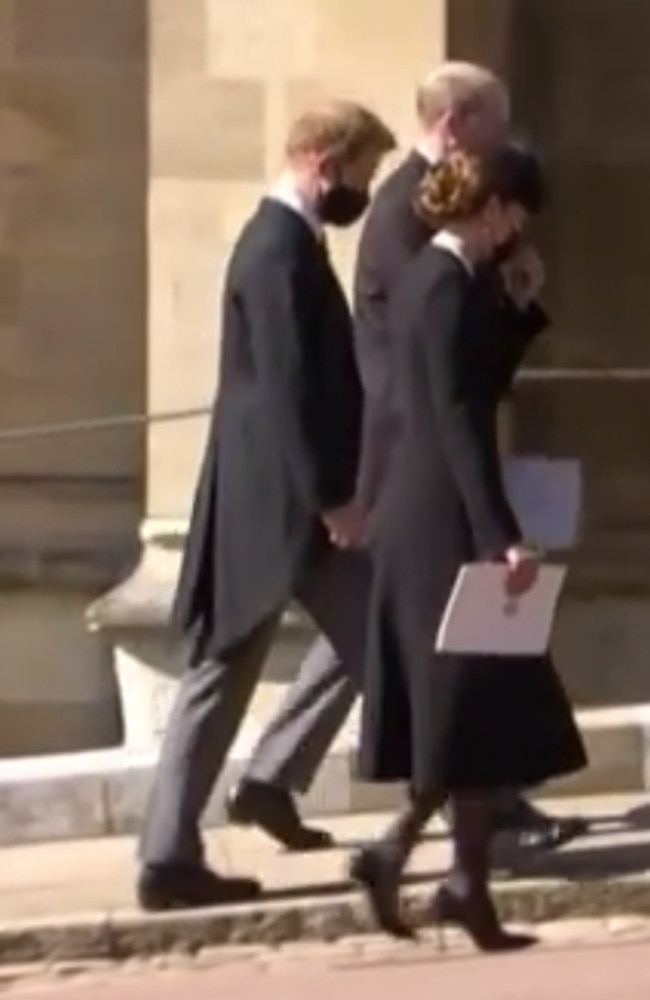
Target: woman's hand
<point>523,276</point>
<point>523,566</point>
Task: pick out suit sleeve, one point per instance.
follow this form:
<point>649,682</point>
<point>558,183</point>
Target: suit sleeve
<point>384,250</point>
<point>521,327</point>
<point>470,445</point>
<point>386,246</point>
<point>515,328</point>
<point>303,376</point>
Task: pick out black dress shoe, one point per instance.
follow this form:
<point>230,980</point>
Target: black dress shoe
<point>514,813</point>
<point>189,887</point>
<point>273,810</point>
<point>551,834</point>
<point>537,831</point>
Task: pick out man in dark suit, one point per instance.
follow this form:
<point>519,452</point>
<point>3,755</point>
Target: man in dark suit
<point>460,105</point>
<point>274,514</point>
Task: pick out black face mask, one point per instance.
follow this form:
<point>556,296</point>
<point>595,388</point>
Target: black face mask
<point>343,205</point>
<point>505,251</point>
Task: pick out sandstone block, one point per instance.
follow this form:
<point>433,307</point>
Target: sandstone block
<point>596,56</point>
<point>606,425</point>
<point>376,53</point>
<point>109,32</point>
<point>76,109</point>
<point>11,288</point>
<point>481,32</point>
<point>91,199</point>
<point>6,30</point>
<point>208,129</point>
<point>177,38</point>
<point>601,648</point>
<point>275,37</point>
<point>78,353</point>
<point>598,294</point>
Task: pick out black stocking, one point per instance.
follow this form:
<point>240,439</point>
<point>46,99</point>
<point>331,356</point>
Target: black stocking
<point>403,834</point>
<point>472,834</point>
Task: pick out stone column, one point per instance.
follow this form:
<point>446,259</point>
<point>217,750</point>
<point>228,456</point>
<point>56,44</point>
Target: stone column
<point>72,281</point>
<point>483,32</point>
<point>582,82</point>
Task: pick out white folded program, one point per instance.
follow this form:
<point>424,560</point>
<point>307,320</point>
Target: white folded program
<point>481,618</point>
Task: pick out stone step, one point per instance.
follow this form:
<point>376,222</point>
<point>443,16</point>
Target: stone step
<point>102,793</point>
<point>68,902</point>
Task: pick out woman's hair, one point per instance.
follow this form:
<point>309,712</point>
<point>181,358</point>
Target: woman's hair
<point>460,186</point>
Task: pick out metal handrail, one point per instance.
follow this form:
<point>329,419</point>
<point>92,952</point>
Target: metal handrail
<point>119,421</point>
<point>85,424</point>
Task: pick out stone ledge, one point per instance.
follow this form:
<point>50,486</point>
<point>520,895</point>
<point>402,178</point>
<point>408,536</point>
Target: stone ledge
<point>103,793</point>
<point>89,569</point>
<point>144,600</point>
<point>615,568</point>
<point>281,918</point>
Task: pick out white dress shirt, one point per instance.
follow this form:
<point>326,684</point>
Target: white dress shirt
<point>453,245</point>
<point>432,160</point>
<point>284,191</point>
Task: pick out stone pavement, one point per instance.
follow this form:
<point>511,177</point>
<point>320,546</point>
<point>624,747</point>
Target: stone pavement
<point>576,960</point>
<point>74,899</point>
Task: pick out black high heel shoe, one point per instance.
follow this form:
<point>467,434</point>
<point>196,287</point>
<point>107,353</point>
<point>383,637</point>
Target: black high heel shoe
<point>476,915</point>
<point>379,877</point>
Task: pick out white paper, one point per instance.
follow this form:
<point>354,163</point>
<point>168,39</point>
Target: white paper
<point>546,497</point>
<point>481,618</point>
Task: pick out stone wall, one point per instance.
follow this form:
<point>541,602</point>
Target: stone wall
<point>73,162</point>
<point>582,88</point>
<point>135,136</point>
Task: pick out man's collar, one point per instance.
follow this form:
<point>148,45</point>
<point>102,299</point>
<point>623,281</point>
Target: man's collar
<point>286,192</point>
<point>426,154</point>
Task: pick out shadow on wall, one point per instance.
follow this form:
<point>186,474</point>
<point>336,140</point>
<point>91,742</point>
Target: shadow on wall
<point>73,301</point>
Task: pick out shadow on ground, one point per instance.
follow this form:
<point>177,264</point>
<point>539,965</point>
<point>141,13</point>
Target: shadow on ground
<point>615,846</point>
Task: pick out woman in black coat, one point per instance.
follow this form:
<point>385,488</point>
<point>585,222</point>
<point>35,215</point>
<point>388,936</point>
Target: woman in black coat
<point>452,725</point>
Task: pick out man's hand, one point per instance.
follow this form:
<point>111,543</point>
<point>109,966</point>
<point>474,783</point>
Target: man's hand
<point>345,526</point>
<point>524,276</point>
